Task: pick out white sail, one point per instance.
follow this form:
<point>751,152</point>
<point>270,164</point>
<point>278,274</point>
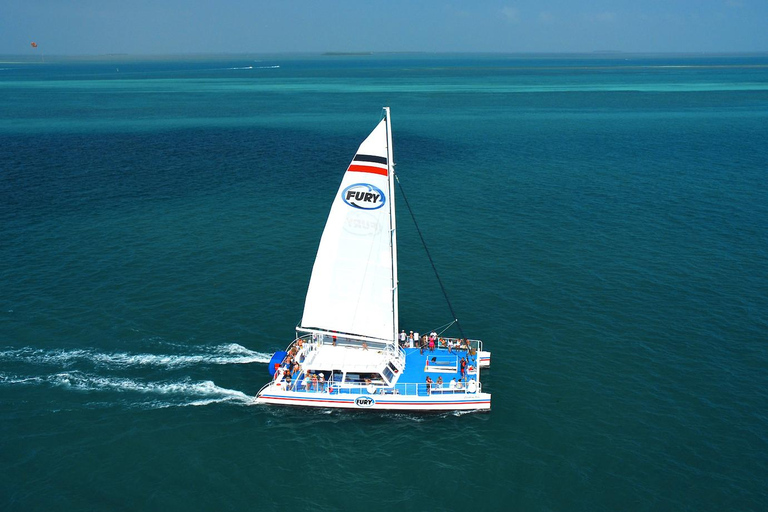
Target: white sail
<point>352,288</point>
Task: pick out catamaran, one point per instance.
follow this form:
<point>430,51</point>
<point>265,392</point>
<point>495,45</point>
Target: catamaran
<point>348,352</point>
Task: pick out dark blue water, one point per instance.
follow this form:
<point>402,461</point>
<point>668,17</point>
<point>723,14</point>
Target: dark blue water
<point>599,221</point>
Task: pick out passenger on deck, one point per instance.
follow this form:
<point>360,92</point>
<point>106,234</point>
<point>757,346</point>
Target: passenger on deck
<point>307,381</point>
<point>431,344</point>
<point>463,366</point>
<point>365,346</point>
<point>314,382</point>
<point>403,337</point>
<point>321,381</point>
<point>439,382</point>
<point>287,376</point>
<point>450,345</point>
<point>460,384</point>
<point>452,384</point>
<point>429,384</point>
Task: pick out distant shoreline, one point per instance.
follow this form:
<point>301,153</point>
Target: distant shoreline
<point>598,54</point>
<point>347,54</point>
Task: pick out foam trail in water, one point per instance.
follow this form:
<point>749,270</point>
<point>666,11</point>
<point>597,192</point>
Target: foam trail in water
<point>185,392</point>
<point>252,67</point>
<point>231,353</point>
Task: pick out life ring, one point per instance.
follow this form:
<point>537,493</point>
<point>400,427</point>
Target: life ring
<point>370,388</point>
<point>471,386</point>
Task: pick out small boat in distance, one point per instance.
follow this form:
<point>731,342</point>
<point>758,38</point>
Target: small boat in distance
<point>348,352</point>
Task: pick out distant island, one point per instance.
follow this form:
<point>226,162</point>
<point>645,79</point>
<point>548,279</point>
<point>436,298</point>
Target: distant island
<point>346,54</point>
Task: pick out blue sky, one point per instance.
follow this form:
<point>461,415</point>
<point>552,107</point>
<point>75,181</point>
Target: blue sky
<point>74,27</point>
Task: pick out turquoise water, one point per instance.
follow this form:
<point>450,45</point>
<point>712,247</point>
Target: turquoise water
<point>599,221</point>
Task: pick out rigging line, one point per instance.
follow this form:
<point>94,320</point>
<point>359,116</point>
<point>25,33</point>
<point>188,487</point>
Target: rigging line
<point>448,327</point>
<point>442,328</point>
<point>424,243</point>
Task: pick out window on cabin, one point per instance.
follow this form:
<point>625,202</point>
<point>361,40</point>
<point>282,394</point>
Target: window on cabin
<point>364,378</point>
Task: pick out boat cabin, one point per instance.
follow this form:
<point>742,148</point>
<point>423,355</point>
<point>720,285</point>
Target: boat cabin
<point>341,361</point>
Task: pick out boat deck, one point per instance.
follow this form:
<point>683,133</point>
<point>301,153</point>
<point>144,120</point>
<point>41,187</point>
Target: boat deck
<point>410,391</point>
<point>436,363</point>
<point>439,363</point>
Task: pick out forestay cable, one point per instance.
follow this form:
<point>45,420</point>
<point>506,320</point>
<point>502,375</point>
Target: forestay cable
<point>424,243</point>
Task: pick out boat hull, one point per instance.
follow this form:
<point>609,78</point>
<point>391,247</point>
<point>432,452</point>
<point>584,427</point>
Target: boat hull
<point>433,402</point>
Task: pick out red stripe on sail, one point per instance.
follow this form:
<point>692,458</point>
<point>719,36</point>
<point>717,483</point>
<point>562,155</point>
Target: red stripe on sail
<point>367,168</point>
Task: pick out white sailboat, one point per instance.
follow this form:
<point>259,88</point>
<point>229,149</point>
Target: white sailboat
<point>347,352</point>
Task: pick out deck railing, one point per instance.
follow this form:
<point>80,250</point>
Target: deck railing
<point>306,345</point>
<point>457,344</point>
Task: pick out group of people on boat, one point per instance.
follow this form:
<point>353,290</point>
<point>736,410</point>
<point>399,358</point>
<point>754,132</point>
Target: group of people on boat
<point>432,341</point>
<point>310,381</point>
<point>453,385</point>
<point>290,366</point>
<point>314,381</point>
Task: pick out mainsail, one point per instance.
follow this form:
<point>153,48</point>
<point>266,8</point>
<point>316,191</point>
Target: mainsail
<point>353,285</point>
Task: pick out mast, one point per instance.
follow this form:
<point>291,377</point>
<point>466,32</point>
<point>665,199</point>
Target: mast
<point>393,230</point>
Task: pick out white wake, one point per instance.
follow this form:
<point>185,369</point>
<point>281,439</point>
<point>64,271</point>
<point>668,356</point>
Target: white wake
<point>157,394</point>
<point>230,353</point>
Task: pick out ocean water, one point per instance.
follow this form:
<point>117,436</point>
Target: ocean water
<point>601,222</point>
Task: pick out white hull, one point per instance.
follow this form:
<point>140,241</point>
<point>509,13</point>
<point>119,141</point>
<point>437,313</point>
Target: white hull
<point>274,395</point>
<point>484,359</point>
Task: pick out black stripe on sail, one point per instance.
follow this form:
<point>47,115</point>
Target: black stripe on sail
<point>370,158</point>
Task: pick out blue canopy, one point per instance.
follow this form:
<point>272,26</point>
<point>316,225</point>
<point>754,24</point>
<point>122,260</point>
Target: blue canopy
<point>277,358</point>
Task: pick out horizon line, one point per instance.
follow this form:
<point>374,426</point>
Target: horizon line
<point>370,53</point>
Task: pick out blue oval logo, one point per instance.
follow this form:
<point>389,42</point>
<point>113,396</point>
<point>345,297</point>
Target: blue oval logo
<point>363,196</point>
<point>364,401</point>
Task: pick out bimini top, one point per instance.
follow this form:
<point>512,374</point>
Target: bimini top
<point>352,289</point>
